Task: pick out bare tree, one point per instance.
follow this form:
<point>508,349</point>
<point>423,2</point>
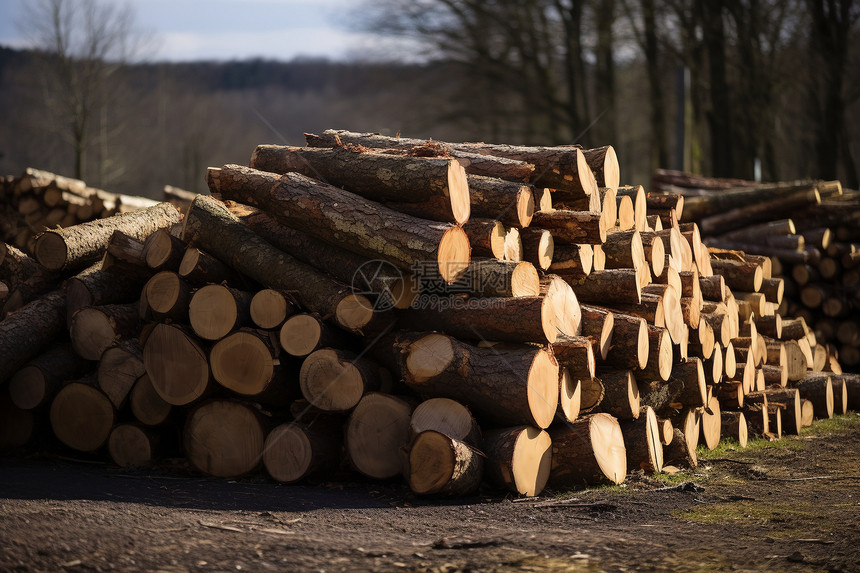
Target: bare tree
<point>83,43</point>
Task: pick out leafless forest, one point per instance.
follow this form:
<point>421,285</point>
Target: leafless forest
<point>711,87</point>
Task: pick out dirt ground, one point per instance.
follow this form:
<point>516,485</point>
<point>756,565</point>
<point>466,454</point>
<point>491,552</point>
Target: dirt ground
<point>791,505</point>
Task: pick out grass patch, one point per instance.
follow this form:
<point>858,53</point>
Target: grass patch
<point>834,425</point>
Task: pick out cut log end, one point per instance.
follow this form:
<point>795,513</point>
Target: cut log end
<point>242,363</point>
<point>446,416</point>
<point>454,254</point>
<point>176,364</point>
<point>51,251</point>
<point>287,453</point>
<point>332,382</point>
<point>130,446</point>
<point>570,396</point>
<point>525,280</point>
<point>269,308</point>
<point>439,464</point>
<point>354,312</point>
<point>458,190</point>
<point>224,439</point>
<point>212,312</point>
<point>531,461</point>
<point>376,431</point>
<point>82,417</point>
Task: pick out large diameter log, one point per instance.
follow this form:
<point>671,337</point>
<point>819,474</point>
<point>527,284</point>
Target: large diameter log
<point>818,389</point>
<point>642,441</point>
<point>79,245</point>
<point>223,438</point>
<point>210,225</point>
<point>31,328</point>
<point>375,433</point>
<point>176,364</point>
<point>368,277</point>
<point>507,319</point>
<point>590,451</point>
<point>364,227</point>
<point>437,181</point>
<point>334,380</point>
<point>518,459</point>
<point>621,397</point>
<point>216,310</point>
<point>437,464</point>
<point>509,385</point>
<point>119,369</point>
<point>39,380</point>
<point>295,451</point>
<point>95,329</point>
<point>447,417</point>
<point>82,416</point>
<point>572,227</point>
<point>475,163</point>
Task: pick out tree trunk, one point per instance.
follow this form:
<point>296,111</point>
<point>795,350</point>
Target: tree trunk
<point>436,181</point>
<point>538,247</point>
<point>147,406</point>
<point>630,346</point>
<point>38,381</point>
<point>621,397</point>
<point>176,364</point>
<point>475,163</point>
<point>818,389</point>
<point>96,287</point>
<point>589,450</point>
<point>734,425</point>
<point>295,450</point>
<point>678,453</point>
<point>79,245</point>
<point>575,353</point>
<point>210,225</point>
<point>572,227</point>
<point>447,417</point>
<point>374,231</point>
<point>95,329</point>
<point>224,438</point>
<point>335,380</point>
<point>437,464</point>
<point>119,369</point>
<point>82,416</point>
<point>376,433</point>
<point>642,442</point>
<point>599,325</point>
<point>131,446</point>
<point>519,459</point>
<point>619,286</point>
<point>509,385</point>
<point>510,202</point>
<point>270,308</point>
<point>487,237</point>
<point>572,262</point>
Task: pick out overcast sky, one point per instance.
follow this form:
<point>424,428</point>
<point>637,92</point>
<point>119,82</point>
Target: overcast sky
<point>231,29</point>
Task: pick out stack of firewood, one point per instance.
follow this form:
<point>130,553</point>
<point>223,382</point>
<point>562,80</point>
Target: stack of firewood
<point>40,200</point>
<point>451,313</point>
<point>807,228</point>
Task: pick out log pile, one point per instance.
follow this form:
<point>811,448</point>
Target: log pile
<point>40,200</point>
<point>808,229</point>
<point>452,314</point>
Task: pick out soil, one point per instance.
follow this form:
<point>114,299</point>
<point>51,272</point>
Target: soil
<point>791,505</point>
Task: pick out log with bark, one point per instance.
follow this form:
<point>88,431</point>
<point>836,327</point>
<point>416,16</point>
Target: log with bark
<point>588,451</point>
<point>80,245</point>
<point>224,438</point>
<point>514,384</point>
<point>519,459</point>
<point>376,432</point>
<point>81,415</point>
<point>36,383</point>
<point>436,186</point>
<point>94,329</point>
<point>362,226</point>
<point>176,363</point>
<point>297,450</point>
<point>642,441</point>
<point>335,380</point>
<point>447,417</point>
<point>437,464</point>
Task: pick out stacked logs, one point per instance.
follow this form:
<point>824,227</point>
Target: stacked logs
<point>812,242</point>
<point>39,200</point>
<point>452,313</point>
